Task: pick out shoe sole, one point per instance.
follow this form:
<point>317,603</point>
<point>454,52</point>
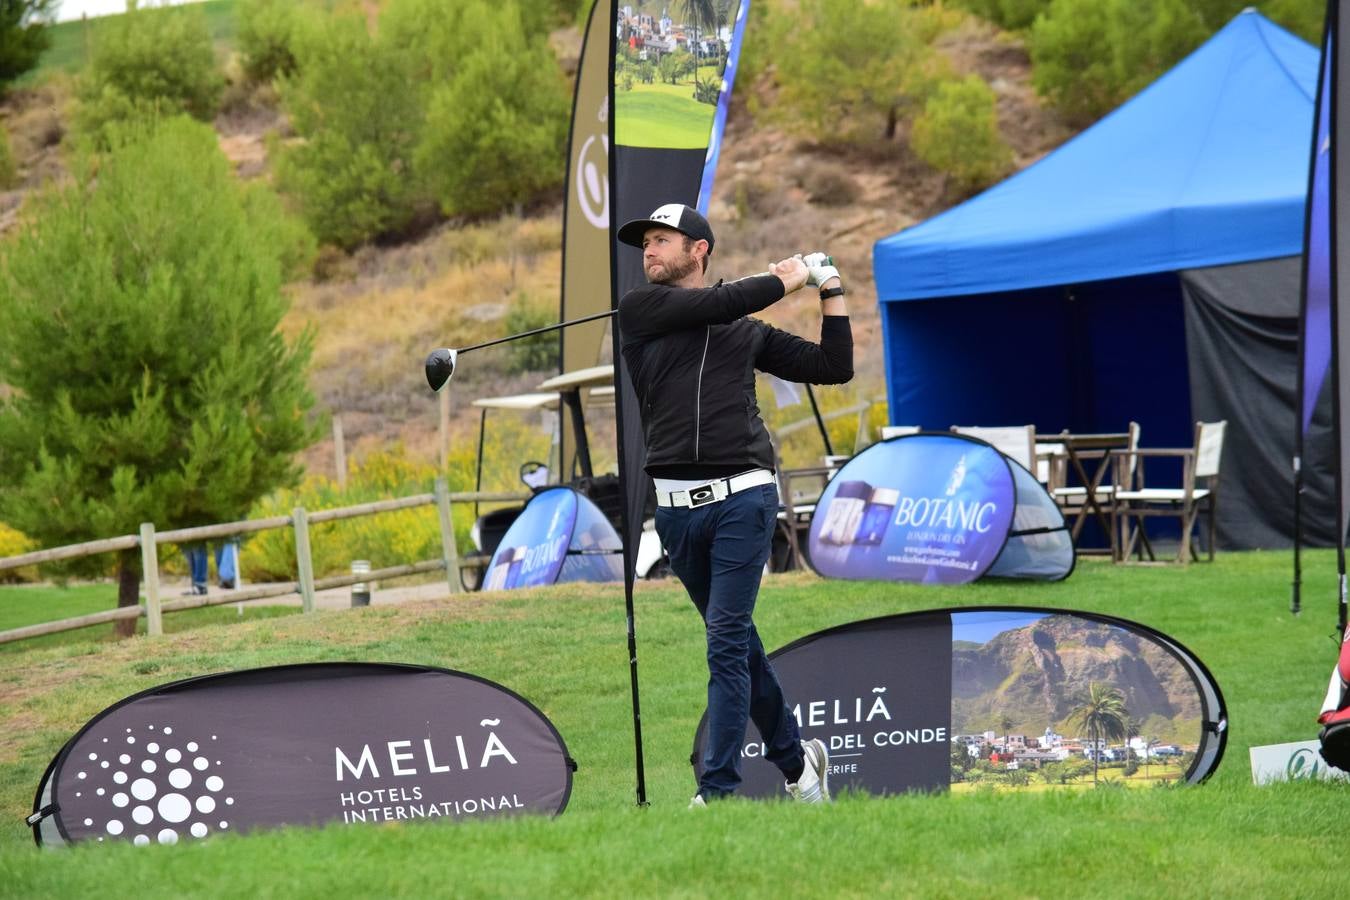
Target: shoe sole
<point>823,768</point>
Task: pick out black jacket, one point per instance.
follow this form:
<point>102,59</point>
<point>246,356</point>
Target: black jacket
<point>692,355</point>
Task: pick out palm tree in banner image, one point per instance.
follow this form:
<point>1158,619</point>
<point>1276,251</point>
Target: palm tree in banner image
<point>1102,714</point>
<point>726,12</point>
<point>699,13</point>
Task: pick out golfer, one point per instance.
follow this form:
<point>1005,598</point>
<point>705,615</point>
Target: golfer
<point>692,351</point>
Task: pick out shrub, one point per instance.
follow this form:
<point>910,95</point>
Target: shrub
<point>854,96</point>
<point>388,539</point>
<point>832,187</point>
<point>14,543</point>
<point>264,35</point>
<point>9,169</point>
<point>496,125</point>
<point>150,61</point>
<point>538,353</point>
<point>140,307</point>
<point>1090,56</point>
<point>957,133</point>
<point>356,117</point>
<point>23,36</point>
<point>1009,14</point>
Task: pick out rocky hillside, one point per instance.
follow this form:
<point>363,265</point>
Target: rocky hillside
<point>378,311</point>
<point>1025,672</point>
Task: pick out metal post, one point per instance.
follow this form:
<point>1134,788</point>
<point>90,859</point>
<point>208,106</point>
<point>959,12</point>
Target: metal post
<point>449,552</point>
<point>304,563</point>
<point>154,618</point>
<point>362,589</point>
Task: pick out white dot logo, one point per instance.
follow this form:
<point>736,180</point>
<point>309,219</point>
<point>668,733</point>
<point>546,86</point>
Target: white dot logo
<point>174,808</point>
<point>167,802</point>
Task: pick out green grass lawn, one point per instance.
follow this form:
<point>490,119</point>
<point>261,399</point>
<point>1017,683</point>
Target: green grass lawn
<point>662,115</point>
<point>71,41</point>
<point>563,648</point>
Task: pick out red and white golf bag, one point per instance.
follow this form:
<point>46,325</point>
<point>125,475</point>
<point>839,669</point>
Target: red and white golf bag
<point>1335,717</point>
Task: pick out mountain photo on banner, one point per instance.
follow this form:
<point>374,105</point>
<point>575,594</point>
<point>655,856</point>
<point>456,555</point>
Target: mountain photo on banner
<point>668,65</point>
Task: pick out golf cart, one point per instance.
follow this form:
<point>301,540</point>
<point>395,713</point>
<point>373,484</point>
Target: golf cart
<point>562,391</point>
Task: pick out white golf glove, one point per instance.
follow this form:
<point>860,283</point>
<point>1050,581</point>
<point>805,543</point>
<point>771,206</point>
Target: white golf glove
<point>819,269</point>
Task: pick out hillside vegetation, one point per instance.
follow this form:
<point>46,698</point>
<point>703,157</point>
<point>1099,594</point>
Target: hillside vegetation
<point>422,154</point>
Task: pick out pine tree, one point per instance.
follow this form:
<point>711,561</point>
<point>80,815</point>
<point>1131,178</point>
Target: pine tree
<point>139,333</point>
<point>23,35</point>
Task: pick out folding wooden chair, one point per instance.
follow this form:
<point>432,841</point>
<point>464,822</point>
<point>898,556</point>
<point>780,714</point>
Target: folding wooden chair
<point>1017,442</point>
<point>1196,496</point>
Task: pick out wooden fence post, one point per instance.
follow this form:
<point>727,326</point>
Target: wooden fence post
<point>304,563</point>
<point>339,451</point>
<point>154,619</point>
<point>449,552</point>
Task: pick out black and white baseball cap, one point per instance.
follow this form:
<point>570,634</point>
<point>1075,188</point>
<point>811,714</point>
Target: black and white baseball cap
<point>684,219</point>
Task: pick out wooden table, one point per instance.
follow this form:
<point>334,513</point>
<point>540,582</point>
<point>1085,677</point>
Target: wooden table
<point>1088,458</point>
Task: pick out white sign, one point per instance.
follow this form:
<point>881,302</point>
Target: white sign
<point>1297,761</point>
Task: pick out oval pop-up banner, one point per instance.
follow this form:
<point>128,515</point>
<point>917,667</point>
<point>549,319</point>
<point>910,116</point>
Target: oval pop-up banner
<point>1008,697</point>
<point>559,536</point>
<point>302,745</point>
<point>937,509</point>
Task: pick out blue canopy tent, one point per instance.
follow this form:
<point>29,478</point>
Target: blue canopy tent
<point>1057,296</point>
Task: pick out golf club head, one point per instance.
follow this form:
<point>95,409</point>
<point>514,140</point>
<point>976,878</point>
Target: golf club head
<point>440,366</point>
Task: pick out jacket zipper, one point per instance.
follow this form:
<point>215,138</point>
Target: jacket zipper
<point>698,397</point>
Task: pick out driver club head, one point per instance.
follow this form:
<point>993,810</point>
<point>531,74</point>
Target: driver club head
<point>440,366</point>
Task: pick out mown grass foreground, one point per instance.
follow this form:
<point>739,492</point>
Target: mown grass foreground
<point>564,649</point>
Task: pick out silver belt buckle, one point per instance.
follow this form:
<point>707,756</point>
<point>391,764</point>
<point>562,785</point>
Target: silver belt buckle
<point>702,495</point>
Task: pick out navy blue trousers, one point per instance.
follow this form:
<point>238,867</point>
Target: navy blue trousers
<point>718,551</point>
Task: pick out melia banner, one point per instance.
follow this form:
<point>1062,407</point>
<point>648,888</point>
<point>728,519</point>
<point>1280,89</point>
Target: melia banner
<point>937,509</point>
<point>994,696</point>
<point>302,745</point>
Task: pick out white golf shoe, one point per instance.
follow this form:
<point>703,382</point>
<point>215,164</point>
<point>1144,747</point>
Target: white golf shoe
<point>698,802</point>
<point>814,784</point>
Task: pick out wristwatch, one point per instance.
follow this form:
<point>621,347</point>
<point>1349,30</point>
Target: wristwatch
<point>827,293</point>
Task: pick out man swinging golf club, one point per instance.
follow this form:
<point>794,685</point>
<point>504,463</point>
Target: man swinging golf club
<point>691,352</point>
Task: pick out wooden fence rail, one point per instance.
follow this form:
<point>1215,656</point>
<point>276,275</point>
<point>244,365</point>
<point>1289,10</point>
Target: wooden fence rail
<point>305,584</point>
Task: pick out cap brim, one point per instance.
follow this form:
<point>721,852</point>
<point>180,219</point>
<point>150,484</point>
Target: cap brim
<point>631,232</point>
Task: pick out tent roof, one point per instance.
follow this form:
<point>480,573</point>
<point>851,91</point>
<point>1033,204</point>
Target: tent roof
<point>1206,166</point>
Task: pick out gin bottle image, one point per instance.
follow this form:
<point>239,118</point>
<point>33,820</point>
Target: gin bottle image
<point>496,577</point>
<point>876,516</point>
<point>514,572</point>
<point>845,512</point>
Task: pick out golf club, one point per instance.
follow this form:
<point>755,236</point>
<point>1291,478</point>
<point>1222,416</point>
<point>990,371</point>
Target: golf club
<point>440,364</point>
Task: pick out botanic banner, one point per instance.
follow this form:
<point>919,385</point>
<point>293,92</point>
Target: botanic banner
<point>559,536</point>
<point>937,509</point>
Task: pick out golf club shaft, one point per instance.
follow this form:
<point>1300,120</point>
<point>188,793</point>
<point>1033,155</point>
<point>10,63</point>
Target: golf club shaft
<point>533,332</point>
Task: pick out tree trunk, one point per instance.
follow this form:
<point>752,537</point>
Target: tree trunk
<point>892,120</point>
<point>128,590</point>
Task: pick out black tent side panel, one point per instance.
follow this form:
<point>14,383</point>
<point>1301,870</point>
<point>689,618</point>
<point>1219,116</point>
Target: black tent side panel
<point>1242,339</point>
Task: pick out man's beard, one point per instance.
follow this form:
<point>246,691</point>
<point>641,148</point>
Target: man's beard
<point>675,272</point>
